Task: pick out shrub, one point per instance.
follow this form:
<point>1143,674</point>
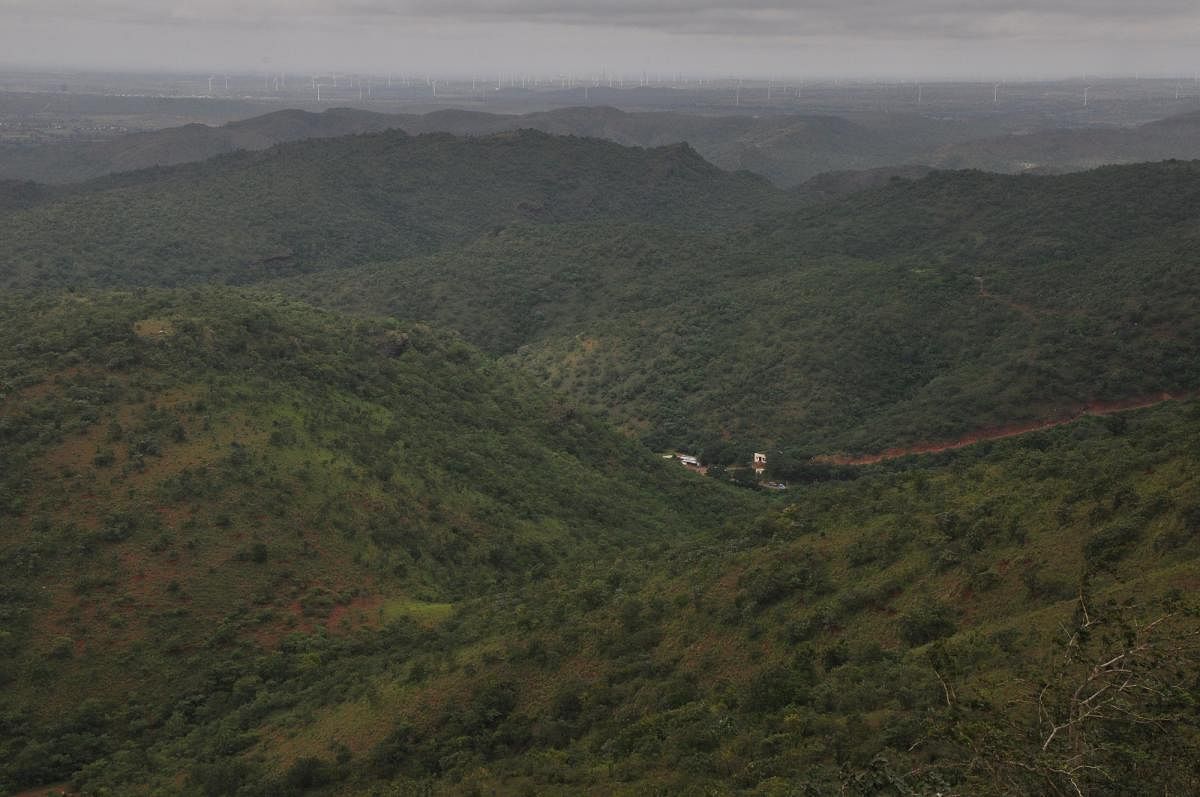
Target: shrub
<point>1111,544</point>
<point>927,623</point>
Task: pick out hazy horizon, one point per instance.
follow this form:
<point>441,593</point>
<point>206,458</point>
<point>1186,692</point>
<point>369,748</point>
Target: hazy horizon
<point>911,39</point>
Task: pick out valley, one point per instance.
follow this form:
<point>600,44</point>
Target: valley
<point>331,451</point>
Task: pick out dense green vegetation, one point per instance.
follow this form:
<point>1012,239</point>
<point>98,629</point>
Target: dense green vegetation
<point>362,526</point>
<point>923,310</point>
<point>259,549</point>
<point>20,194</point>
<point>327,203</point>
<point>204,470</point>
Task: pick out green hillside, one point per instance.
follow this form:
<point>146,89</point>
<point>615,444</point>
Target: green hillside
<point>923,310</point>
<point>362,524</point>
<point>316,556</point>
<point>332,202</point>
<point>190,472</point>
<point>695,307</point>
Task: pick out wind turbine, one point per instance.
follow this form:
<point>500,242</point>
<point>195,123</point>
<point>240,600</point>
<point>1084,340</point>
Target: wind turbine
<point>996,94</point>
<point>210,80</point>
<point>1086,89</point>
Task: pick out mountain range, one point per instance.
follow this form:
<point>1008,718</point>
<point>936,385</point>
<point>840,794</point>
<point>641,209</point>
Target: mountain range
<point>349,465</point>
<point>788,149</point>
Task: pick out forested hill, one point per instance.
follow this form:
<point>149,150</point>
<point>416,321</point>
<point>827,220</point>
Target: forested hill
<point>20,194</point>
<point>1074,149</point>
<point>920,310</point>
<point>334,202</point>
<point>205,473</point>
<point>981,217</point>
<point>788,149</point>
<point>75,161</point>
<point>923,310</point>
<point>252,548</point>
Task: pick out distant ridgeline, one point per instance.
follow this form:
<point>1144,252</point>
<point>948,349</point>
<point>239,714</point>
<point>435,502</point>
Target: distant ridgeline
<point>788,149</point>
<point>336,202</point>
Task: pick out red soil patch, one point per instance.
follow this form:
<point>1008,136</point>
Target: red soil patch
<point>52,383</point>
<point>271,635</point>
<point>719,657</point>
<point>56,790</point>
<point>361,612</point>
<point>1011,430</point>
<point>367,607</point>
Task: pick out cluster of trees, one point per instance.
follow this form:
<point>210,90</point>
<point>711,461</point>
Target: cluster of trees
<point>920,310</point>
<point>616,623</point>
<point>924,310</point>
<point>253,547</point>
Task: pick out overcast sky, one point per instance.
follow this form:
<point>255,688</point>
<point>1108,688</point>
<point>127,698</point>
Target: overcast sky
<point>901,38</point>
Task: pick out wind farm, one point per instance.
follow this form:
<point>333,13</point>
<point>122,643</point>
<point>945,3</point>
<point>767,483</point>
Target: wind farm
<point>1115,99</point>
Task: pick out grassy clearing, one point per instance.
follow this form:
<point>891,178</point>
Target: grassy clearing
<point>426,614</point>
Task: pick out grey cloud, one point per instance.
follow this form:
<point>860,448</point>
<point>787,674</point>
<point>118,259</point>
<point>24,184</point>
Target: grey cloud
<point>829,37</point>
<point>809,18</point>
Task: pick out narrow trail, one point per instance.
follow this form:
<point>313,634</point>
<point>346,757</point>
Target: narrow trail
<point>1012,430</point>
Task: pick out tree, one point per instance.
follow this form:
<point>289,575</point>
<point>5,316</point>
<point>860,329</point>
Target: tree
<point>1113,710</point>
